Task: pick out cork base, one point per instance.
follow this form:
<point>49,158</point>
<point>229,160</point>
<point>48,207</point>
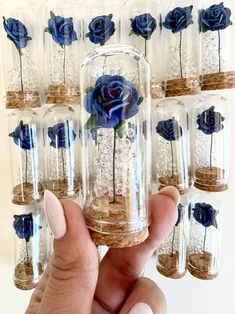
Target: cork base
<point>22,99</point>
<point>200,264</point>
<point>62,189</point>
<point>24,278</point>
<point>60,94</point>
<point>175,181</point>
<point>110,223</point>
<point>220,80</point>
<point>209,179</point>
<point>27,194</point>
<point>158,90</point>
<point>183,87</point>
<point>169,266</point>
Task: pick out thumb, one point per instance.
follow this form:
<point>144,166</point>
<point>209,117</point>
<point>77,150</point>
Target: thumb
<point>145,298</point>
<point>74,266</point>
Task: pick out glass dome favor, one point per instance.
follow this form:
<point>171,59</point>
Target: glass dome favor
<point>116,172</point>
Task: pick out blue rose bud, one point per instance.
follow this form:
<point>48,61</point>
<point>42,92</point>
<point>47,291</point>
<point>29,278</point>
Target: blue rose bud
<point>215,18</point>
<point>179,19</point>
<point>170,129</point>
<point>101,28</point>
<point>143,25</point>
<point>24,136</point>
<point>24,226</point>
<point>112,101</point>
<point>16,32</point>
<point>61,30</point>
<point>61,135</point>
<point>210,122</point>
<point>205,214</point>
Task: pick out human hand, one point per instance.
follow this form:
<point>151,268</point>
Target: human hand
<point>74,282</point>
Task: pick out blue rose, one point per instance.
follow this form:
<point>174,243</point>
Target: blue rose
<point>24,227</point>
<point>24,136</point>
<point>210,121</point>
<point>112,101</point>
<point>143,25</point>
<point>179,19</point>
<point>215,18</point>
<point>61,135</point>
<point>61,30</point>
<point>16,32</point>
<point>180,214</point>
<point>101,28</point>
<point>170,129</point>
<point>205,214</point>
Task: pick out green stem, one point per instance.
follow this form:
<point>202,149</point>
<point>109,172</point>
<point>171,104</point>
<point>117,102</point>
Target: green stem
<point>145,48</point>
<point>219,50</point>
<point>27,252</point>
<point>64,65</point>
<point>62,156</point>
<point>138,68</point>
<point>204,242</point>
<point>21,73</point>
<point>114,159</point>
<point>211,151</point>
<point>26,168</point>
<point>172,161</point>
<point>180,52</point>
<point>173,241</point>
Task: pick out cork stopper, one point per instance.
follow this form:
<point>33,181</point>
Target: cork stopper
<point>169,266</point>
<point>28,194</point>
<point>22,99</point>
<point>210,179</point>
<point>63,94</point>
<point>158,90</point>
<point>183,87</point>
<point>220,80</point>
<point>200,266</point>
<point>64,189</point>
<point>177,181</point>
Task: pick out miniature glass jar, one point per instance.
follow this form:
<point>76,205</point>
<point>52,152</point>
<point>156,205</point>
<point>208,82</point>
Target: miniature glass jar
<point>61,138</point>
<point>140,28</point>
<point>217,25</point>
<point>116,172</point>
<point>30,245</point>
<point>62,53</point>
<point>205,236</point>
<point>25,134</point>
<point>172,253</point>
<point>181,40</point>
<point>101,24</point>
<point>19,49</point>
<point>210,140</point>
<point>171,145</point>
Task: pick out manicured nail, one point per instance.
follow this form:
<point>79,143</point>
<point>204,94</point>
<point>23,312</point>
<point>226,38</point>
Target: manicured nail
<point>172,192</point>
<point>141,308</point>
<point>55,214</point>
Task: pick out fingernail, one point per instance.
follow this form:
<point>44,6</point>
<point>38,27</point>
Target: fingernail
<point>172,192</point>
<point>54,214</point>
<point>141,308</point>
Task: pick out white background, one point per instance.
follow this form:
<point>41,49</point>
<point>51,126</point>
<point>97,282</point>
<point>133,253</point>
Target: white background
<point>186,296</point>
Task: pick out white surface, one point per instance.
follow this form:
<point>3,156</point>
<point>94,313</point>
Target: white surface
<point>186,296</point>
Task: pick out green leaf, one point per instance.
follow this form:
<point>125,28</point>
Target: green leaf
<point>91,123</point>
<point>52,15</point>
<point>120,129</point>
<point>29,38</point>
<point>141,99</point>
<point>131,20</point>
<point>17,47</point>
<point>89,89</point>
<point>27,239</point>
<point>133,33</point>
<point>47,30</point>
<point>12,135</point>
<point>110,16</point>
<point>88,35</point>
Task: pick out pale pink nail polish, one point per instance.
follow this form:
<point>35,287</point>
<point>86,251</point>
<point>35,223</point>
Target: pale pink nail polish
<point>55,214</point>
<point>141,308</point>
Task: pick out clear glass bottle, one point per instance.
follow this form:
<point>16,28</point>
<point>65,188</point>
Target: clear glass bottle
<point>20,57</point>
<point>116,172</point>
<point>62,51</point>
<point>30,245</point>
<point>217,25</point>
<point>25,135</point>
<point>181,41</point>
<point>101,24</point>
<point>210,140</point>
<point>172,253</point>
<point>140,27</point>
<point>171,145</point>
<point>205,236</point>
<point>61,136</point>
